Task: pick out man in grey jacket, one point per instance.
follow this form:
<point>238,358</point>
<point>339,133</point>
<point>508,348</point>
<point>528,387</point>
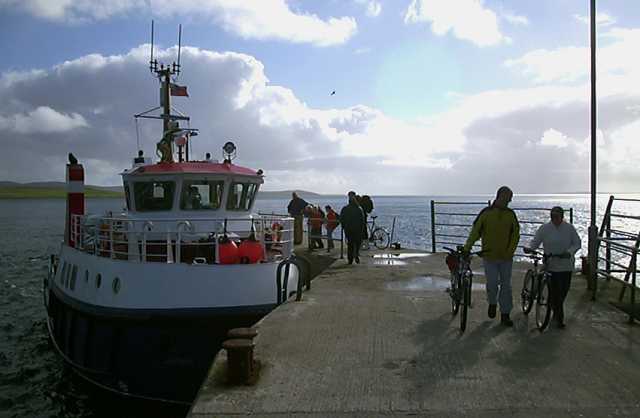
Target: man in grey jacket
<point>558,238</point>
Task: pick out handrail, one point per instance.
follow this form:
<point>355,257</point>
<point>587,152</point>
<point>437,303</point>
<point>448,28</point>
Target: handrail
<point>176,239</point>
<point>456,223</point>
<point>614,248</point>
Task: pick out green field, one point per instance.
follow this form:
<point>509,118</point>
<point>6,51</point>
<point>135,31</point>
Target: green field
<point>52,193</point>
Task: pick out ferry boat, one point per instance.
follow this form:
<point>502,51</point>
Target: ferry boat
<point>138,302</point>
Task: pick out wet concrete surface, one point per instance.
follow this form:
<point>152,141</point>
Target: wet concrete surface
<point>372,341</point>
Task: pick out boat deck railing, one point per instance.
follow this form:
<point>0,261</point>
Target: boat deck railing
<point>175,240</point>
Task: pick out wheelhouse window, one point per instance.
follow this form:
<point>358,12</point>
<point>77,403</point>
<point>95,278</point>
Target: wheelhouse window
<point>201,194</point>
<point>241,196</point>
<point>153,195</point>
<point>127,196</point>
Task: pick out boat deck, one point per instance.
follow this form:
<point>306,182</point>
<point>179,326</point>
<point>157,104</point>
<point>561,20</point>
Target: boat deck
<point>378,339</point>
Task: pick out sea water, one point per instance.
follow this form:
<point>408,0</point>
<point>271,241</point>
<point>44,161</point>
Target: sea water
<point>33,380</point>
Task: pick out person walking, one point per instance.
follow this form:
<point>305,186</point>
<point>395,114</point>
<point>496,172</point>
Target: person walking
<point>295,209</point>
<point>352,219</point>
<point>499,229</point>
<point>331,225</point>
<point>316,219</point>
<point>558,238</point>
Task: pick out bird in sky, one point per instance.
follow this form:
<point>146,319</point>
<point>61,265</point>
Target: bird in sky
<point>332,93</point>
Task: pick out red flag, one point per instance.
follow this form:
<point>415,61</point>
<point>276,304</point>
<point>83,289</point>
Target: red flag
<point>177,90</point>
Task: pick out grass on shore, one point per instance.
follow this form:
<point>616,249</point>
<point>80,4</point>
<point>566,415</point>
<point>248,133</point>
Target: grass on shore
<point>52,193</point>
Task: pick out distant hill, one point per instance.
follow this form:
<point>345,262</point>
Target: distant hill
<point>52,190</point>
<point>286,194</point>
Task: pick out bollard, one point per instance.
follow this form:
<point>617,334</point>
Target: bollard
<point>240,364</point>
<point>242,333</point>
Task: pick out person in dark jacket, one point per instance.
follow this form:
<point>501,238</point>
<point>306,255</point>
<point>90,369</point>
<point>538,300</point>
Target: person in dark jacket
<point>352,220</point>
<point>295,209</point>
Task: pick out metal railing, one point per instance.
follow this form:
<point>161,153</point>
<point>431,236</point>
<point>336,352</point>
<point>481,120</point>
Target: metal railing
<point>175,240</point>
<point>457,224</point>
<point>620,258</point>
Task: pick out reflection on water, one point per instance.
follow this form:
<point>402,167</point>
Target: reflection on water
<point>426,283</point>
<point>398,256</point>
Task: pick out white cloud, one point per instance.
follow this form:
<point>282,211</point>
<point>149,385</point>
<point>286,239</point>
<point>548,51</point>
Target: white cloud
<point>616,61</point>
<point>264,19</point>
<point>602,19</point>
<point>554,138</point>
<point>477,24</point>
<point>41,120</point>
<point>484,140</point>
<point>374,8</point>
<point>515,19</point>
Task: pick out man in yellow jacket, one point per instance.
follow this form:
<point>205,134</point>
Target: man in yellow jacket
<point>499,229</point>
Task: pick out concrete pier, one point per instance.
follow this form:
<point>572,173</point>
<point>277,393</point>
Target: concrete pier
<point>379,339</point>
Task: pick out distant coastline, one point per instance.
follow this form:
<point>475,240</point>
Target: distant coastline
<point>57,190</point>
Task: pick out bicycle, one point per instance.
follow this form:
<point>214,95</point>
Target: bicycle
<point>378,235</point>
<point>535,289</point>
<point>459,264</point>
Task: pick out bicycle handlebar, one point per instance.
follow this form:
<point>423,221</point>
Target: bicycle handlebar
<point>538,254</point>
<point>459,251</point>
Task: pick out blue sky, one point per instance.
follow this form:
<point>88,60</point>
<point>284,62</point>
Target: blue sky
<point>427,91</point>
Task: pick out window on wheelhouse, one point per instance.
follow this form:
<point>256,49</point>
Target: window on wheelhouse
<point>241,196</point>
<point>153,195</point>
<point>201,194</point>
<point>127,196</point>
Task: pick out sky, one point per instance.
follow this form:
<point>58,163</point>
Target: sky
<point>431,96</point>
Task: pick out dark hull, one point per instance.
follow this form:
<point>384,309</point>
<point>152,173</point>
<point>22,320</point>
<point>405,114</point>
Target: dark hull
<point>154,354</point>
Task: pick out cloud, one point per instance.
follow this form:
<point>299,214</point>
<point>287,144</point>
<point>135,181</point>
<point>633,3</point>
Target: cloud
<point>515,19</point>
<point>528,138</point>
<point>477,24</point>
<point>554,138</point>
<point>570,64</point>
<point>42,120</point>
<point>263,20</point>
<point>602,19</point>
<point>374,8</point>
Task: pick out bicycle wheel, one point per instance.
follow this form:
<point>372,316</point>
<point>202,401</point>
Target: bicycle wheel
<point>466,301</point>
<point>380,238</point>
<point>527,295</point>
<point>543,307</point>
<point>454,293</point>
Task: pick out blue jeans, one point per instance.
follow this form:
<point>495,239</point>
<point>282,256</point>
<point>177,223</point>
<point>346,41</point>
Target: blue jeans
<point>498,274</point>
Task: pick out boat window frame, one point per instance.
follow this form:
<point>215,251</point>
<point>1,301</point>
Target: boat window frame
<point>171,181</point>
<point>188,182</point>
<point>244,205</point>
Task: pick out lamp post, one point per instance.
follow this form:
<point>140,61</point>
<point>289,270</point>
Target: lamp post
<point>593,230</point>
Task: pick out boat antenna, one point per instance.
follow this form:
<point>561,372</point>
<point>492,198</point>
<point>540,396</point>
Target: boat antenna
<point>176,67</point>
<point>153,65</point>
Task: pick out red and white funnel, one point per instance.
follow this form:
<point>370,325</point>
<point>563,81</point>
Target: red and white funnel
<point>75,201</point>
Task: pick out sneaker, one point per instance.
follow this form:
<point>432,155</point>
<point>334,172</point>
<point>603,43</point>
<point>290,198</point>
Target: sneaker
<point>492,311</point>
<point>357,260</point>
<point>505,320</point>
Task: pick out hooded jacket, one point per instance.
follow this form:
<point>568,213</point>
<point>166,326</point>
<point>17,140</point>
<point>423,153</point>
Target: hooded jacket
<point>500,232</point>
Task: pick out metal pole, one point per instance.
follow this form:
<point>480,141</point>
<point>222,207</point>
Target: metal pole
<point>593,257</point>
<point>393,229</point>
<point>571,216</point>
<point>433,227</point>
<point>633,288</point>
<point>608,248</point>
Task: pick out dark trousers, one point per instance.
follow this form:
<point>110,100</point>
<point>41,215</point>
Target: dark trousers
<point>316,241</point>
<point>559,284</point>
<point>353,247</point>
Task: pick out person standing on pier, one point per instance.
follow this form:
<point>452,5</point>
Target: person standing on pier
<point>295,209</point>
<point>499,229</point>
<point>332,224</point>
<point>560,239</point>
<point>352,220</point>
